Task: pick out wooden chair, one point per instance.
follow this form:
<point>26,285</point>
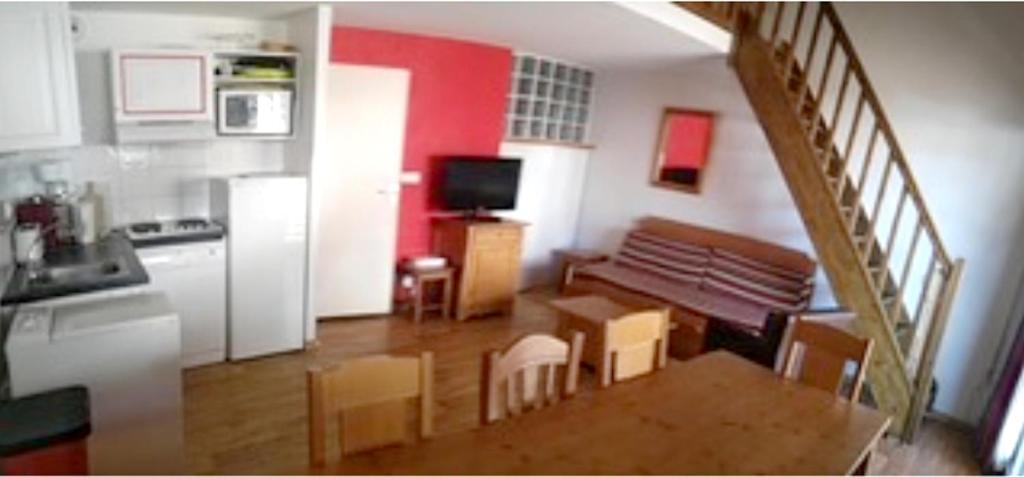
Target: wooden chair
<point>635,344</point>
<point>818,354</point>
<point>370,398</point>
<point>527,372</point>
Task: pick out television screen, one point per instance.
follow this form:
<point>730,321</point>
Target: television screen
<point>472,183</point>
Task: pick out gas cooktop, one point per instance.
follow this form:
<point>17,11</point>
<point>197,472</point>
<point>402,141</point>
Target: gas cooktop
<point>168,232</point>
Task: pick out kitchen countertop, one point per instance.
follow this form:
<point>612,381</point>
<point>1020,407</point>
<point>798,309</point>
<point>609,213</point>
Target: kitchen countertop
<point>6,317</point>
<point>113,247</point>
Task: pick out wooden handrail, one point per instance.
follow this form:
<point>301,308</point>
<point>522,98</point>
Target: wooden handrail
<point>868,90</point>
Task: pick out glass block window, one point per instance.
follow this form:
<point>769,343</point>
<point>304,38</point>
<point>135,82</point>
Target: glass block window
<point>549,100</point>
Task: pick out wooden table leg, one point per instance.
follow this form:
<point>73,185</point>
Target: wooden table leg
<point>417,307</point>
<point>446,306</point>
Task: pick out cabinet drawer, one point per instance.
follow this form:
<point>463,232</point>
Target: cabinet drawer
<point>498,236</point>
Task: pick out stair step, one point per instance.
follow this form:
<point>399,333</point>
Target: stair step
<point>875,271</point>
<point>833,182</point>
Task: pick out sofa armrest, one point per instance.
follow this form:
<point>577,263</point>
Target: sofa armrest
<point>572,259</point>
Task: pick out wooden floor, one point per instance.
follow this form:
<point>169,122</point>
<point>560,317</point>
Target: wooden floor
<point>250,417</point>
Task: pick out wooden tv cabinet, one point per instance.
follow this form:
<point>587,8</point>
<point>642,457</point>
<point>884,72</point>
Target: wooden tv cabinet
<point>487,259</point>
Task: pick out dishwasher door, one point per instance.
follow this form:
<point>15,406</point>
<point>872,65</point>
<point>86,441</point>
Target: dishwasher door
<point>194,278</point>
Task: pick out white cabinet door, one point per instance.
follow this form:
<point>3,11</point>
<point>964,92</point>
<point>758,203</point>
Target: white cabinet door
<point>38,87</point>
<point>161,85</point>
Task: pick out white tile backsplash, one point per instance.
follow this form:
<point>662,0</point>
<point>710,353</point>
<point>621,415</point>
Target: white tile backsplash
<point>145,182</point>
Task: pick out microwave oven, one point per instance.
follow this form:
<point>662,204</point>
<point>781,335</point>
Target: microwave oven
<point>254,112</point>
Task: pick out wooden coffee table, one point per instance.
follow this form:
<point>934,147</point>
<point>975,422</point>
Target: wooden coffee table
<point>588,315</point>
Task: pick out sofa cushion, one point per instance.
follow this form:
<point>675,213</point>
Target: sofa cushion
<point>672,260</point>
<point>739,312</point>
<point>758,282</point>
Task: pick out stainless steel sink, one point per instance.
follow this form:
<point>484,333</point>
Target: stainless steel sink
<point>66,274</point>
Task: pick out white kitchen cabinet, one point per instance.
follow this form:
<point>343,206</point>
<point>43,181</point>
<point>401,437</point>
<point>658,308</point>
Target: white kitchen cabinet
<point>162,94</point>
<point>162,85</point>
<point>38,87</point>
<point>194,278</point>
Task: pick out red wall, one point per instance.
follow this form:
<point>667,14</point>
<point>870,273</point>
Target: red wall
<point>456,107</point>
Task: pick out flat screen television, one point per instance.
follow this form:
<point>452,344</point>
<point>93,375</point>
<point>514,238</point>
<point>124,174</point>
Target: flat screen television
<point>475,184</point>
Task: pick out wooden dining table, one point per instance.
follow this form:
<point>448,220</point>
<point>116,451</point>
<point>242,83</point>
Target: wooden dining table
<point>714,414</point>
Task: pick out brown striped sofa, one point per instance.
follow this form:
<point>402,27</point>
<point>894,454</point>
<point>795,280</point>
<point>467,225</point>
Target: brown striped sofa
<point>742,289</point>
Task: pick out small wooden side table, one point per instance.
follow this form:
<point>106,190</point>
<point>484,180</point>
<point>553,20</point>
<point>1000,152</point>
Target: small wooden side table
<point>575,258</point>
<point>421,285</point>
<point>589,314</point>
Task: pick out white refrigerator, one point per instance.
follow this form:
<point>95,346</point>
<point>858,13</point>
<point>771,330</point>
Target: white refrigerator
<point>265,216</point>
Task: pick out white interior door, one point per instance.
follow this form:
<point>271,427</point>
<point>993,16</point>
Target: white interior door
<point>356,191</point>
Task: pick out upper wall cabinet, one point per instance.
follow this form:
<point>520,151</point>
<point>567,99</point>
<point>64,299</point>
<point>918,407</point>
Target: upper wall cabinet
<point>166,85</point>
<point>549,101</point>
<point>162,94</point>
<point>38,88</point>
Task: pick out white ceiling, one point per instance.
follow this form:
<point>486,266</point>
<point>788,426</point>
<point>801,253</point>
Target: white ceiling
<point>600,35</point>
<point>252,10</point>
<point>595,34</point>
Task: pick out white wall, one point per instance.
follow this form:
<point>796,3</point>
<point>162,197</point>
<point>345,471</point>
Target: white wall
<point>950,76</point>
<point>550,192</point>
<point>743,190</point>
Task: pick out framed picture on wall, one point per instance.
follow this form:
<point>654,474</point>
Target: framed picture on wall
<point>681,152</point>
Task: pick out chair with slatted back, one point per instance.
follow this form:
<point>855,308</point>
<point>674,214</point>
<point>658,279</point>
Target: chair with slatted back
<point>635,344</point>
<point>370,399</point>
<point>526,375</point>
<point>819,355</point>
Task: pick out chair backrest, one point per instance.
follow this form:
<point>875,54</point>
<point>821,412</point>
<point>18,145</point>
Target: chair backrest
<point>635,344</point>
<point>370,398</point>
<point>525,376</point>
<point>819,355</point>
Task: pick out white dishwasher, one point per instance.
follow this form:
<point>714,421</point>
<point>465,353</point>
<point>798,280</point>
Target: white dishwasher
<point>194,277</point>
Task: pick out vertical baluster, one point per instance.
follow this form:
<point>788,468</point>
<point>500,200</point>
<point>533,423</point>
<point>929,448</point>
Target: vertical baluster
<point>807,62</point>
<point>925,289</point>
<point>780,9</point>
<point>550,388</point>
<point>912,350</point>
<point>897,303</point>
<point>759,14</point>
<point>819,99</point>
<point>864,172</point>
<point>834,125</point>
<point>887,252</point>
<point>513,396</point>
<point>870,238</point>
<point>849,147</point>
<point>794,37</point>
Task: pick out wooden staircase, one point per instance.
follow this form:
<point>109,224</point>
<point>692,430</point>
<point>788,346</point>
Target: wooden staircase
<point>850,179</point>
